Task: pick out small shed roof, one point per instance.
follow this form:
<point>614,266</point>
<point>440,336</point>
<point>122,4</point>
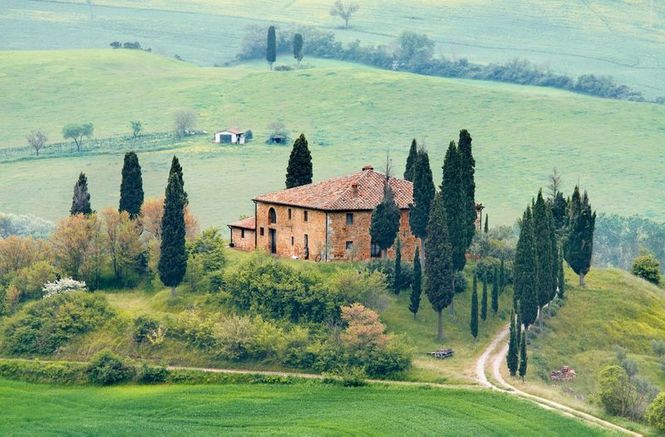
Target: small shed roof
<point>246,223</point>
<point>232,131</point>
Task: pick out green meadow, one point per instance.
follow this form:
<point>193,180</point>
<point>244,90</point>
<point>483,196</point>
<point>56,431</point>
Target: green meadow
<point>351,116</point>
<point>623,38</point>
<point>299,409</point>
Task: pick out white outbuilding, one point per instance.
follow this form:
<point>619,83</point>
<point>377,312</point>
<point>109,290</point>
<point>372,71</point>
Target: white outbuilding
<point>230,136</point>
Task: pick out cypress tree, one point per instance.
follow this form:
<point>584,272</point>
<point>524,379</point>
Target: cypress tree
<point>173,255</point>
<point>502,276</point>
<point>81,198</point>
<point>483,304</point>
<point>454,203</point>
<point>177,170</point>
<point>579,244</point>
<point>543,229</point>
<point>495,291</point>
<point>416,284</point>
<point>423,196</point>
<point>474,313</point>
<point>559,210</point>
<point>131,187</point>
<point>438,263</point>
<point>561,278</point>
<point>467,172</point>
<point>512,357</point>
<point>397,280</point>
<point>518,332</point>
<point>411,161</point>
<point>299,170</point>
<point>487,224</point>
<point>297,47</point>
<point>474,287</point>
<point>525,275</point>
<point>523,357</point>
<point>271,48</point>
<point>385,219</point>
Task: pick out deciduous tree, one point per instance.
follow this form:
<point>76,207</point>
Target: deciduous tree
<point>344,11</point>
<point>184,122</point>
<point>299,170</point>
<point>131,187</point>
<point>123,236</point>
<point>77,132</point>
<point>37,140</point>
<point>137,127</point>
<point>438,263</point>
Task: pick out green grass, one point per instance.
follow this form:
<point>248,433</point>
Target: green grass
<point>301,409</point>
<point>619,37</point>
<point>351,116</point>
<point>616,309</point>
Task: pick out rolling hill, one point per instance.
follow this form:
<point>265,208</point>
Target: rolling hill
<point>351,116</point>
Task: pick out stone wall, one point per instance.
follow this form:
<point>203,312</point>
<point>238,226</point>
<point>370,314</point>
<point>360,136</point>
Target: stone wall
<point>290,233</point>
<point>240,241</point>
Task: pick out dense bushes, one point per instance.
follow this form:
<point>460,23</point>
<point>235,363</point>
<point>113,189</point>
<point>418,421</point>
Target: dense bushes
<point>656,413</point>
<point>414,53</point>
<point>44,326</point>
<point>60,372</point>
<point>107,368</point>
<point>647,267</point>
<point>387,267</point>
<point>273,289</point>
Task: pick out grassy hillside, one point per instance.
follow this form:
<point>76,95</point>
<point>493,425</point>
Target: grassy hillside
<point>616,309</point>
<point>351,116</point>
<point>285,410</point>
<point>623,38</point>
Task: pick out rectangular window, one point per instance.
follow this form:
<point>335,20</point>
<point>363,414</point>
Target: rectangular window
<point>349,218</point>
<point>375,251</point>
<point>242,233</point>
<point>349,245</point>
<point>304,215</point>
<point>292,240</point>
<point>261,232</point>
<point>289,213</point>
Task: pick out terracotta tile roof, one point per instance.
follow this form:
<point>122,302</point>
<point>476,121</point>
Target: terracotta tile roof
<point>358,191</point>
<point>246,223</point>
<point>232,130</point>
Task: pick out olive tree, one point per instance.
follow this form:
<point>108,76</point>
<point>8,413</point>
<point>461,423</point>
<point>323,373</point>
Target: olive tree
<point>37,140</point>
<point>344,11</point>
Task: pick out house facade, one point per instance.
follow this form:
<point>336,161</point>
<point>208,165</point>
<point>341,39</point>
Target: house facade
<point>326,221</point>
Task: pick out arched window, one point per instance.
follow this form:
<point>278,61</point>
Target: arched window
<point>272,216</point>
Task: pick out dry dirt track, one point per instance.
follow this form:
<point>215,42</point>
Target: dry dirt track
<point>494,355</point>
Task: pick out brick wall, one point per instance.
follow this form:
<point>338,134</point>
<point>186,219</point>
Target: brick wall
<point>290,233</point>
<point>240,241</point>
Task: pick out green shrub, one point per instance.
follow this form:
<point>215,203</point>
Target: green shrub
<point>153,374</point>
<point>656,413</point>
<point>145,328</point>
<point>60,372</point>
<point>460,282</point>
<point>44,326</point>
<point>106,368</point>
<point>647,267</point>
<point>30,280</point>
<point>347,377</point>
<point>616,392</point>
<point>387,267</point>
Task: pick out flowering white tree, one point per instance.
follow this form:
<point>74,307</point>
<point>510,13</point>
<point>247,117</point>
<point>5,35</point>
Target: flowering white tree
<point>64,285</point>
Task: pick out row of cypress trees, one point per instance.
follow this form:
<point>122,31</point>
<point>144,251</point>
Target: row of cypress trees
<point>173,253</point>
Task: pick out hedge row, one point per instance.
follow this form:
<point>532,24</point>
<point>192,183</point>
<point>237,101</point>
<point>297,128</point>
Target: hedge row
<point>76,373</point>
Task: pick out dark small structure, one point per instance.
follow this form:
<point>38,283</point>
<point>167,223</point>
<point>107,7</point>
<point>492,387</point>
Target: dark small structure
<point>442,354</point>
<point>277,139</point>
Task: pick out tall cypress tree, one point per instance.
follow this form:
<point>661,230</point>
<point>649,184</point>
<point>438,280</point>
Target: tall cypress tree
<point>561,278</point>
<point>297,47</point>
<point>131,187</point>
<point>579,244</point>
<point>397,279</point>
<point>525,275</point>
<point>502,276</point>
<point>474,313</point>
<point>299,170</point>
<point>518,332</point>
<point>416,285</point>
<point>487,224</point>
<point>438,263</point>
<point>512,359</point>
<point>483,302</point>
<point>559,210</point>
<point>495,291</point>
<point>271,47</point>
<point>454,203</point>
<point>177,170</point>
<point>423,196</point>
<point>467,172</point>
<point>384,226</point>
<point>173,255</point>
<point>409,171</point>
<point>81,197</point>
<point>523,357</point>
<point>543,229</point>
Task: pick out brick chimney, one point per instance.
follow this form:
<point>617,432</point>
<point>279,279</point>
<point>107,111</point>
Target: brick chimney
<point>354,187</point>
<point>368,167</point>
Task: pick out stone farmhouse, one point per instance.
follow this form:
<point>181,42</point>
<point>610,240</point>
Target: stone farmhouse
<point>324,221</point>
